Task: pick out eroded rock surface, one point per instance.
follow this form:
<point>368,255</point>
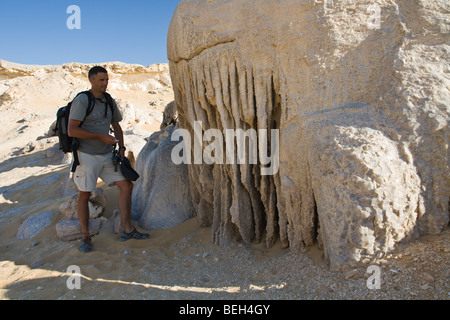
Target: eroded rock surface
<point>360,93</point>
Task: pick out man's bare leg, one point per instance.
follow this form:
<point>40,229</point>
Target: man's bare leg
<point>126,190</point>
<point>129,232</point>
<point>83,217</point>
<point>83,211</point>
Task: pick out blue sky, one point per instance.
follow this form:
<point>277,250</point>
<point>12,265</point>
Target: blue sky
<point>130,31</point>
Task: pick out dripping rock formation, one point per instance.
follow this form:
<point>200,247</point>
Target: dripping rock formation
<point>359,91</point>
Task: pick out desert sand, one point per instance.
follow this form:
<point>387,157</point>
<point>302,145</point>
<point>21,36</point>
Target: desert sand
<point>176,263</point>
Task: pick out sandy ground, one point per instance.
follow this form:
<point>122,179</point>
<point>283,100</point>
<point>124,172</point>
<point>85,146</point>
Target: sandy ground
<point>182,263</point>
<point>177,263</point>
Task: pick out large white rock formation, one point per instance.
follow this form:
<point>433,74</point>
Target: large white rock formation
<point>360,93</point>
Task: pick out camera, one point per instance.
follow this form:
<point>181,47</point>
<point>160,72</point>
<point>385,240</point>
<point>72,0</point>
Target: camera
<point>116,160</point>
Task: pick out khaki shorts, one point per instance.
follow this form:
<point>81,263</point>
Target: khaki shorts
<point>93,167</point>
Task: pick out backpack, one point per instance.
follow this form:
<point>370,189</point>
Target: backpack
<point>66,143</point>
<point>62,123</point>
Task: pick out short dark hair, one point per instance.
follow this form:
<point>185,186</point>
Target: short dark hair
<point>95,70</point>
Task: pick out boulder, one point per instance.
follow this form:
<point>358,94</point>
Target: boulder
<point>97,204</point>
<point>358,92</point>
<point>32,226</point>
<point>113,224</point>
<point>127,111</point>
<point>161,197</point>
<point>70,229</point>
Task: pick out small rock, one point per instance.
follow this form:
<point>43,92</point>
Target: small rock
<point>37,264</point>
<point>394,271</point>
<point>427,277</point>
<point>425,287</point>
<point>51,153</point>
<point>97,204</point>
<point>351,274</point>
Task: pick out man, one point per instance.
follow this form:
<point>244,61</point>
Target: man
<point>95,155</point>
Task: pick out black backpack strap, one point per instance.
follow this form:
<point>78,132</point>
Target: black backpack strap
<point>91,104</point>
<point>76,161</point>
<point>76,143</point>
<point>109,101</point>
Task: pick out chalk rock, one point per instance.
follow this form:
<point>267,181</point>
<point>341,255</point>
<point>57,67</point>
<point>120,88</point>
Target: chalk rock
<point>97,204</point>
<point>359,93</point>
<point>127,111</point>
<point>113,224</point>
<point>32,226</point>
<point>169,115</point>
<point>70,229</point>
<point>161,197</point>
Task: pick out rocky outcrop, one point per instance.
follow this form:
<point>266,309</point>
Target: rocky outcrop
<point>21,84</point>
<point>161,197</point>
<point>359,93</point>
<point>169,115</point>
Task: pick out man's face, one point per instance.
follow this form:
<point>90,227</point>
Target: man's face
<point>100,82</point>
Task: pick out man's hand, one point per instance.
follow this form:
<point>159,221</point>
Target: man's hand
<point>122,153</point>
<point>108,139</point>
<point>75,131</point>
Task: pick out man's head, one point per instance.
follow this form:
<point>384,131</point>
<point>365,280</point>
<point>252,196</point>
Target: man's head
<point>98,77</point>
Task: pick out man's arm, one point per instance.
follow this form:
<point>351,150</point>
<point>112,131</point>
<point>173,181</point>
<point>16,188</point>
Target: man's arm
<point>75,131</point>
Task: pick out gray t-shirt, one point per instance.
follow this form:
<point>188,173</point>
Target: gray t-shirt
<point>95,122</point>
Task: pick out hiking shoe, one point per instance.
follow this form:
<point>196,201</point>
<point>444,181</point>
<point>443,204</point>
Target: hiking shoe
<point>134,234</point>
<point>86,244</point>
